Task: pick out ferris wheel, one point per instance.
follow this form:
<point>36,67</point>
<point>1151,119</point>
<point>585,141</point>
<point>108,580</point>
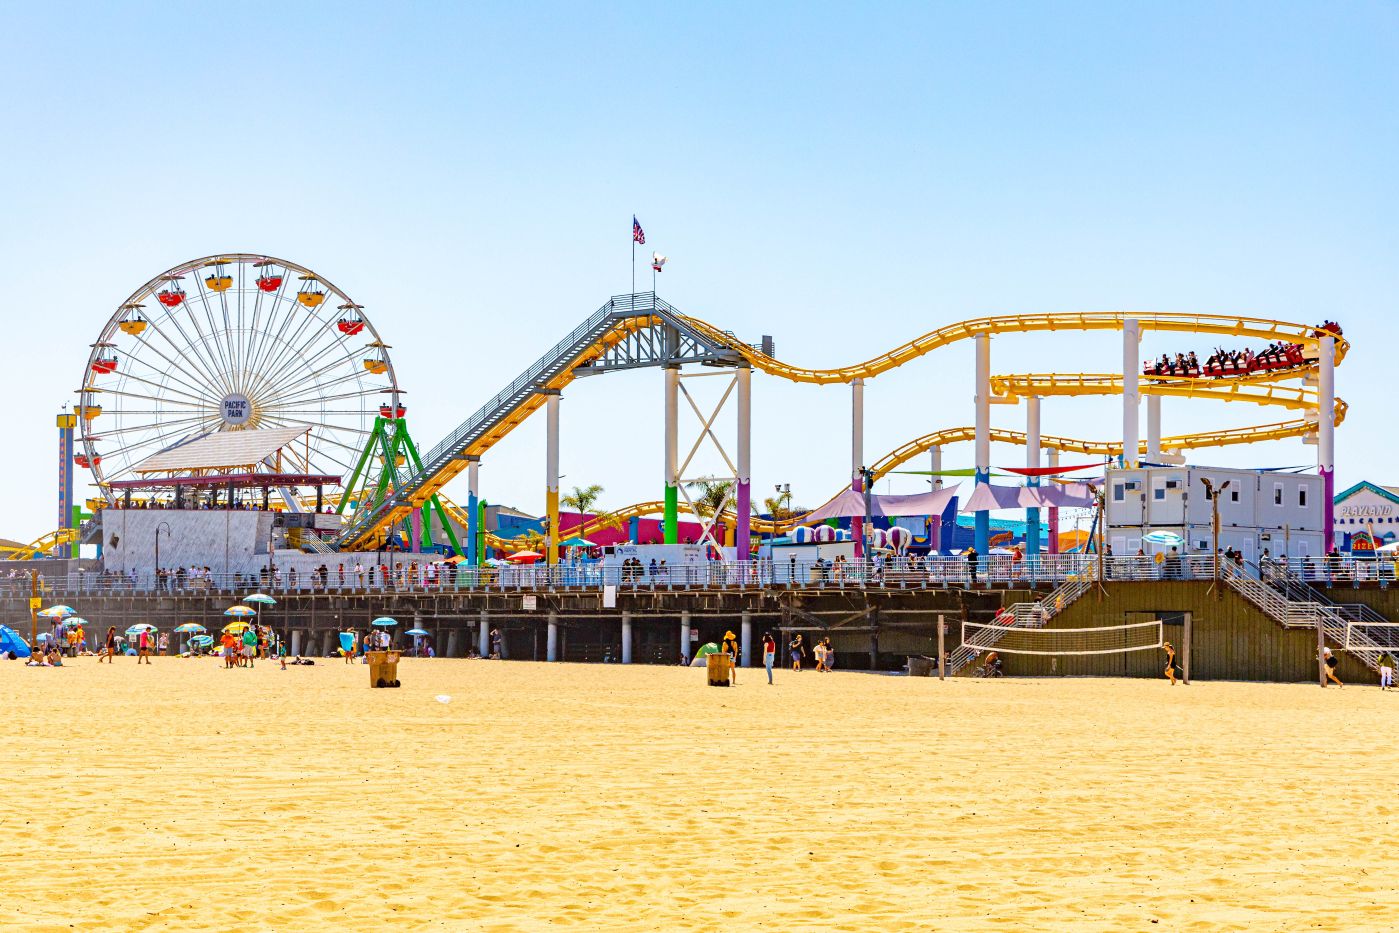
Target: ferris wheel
<point>231,343</point>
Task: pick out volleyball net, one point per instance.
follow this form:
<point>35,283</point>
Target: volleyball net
<point>1108,639</point>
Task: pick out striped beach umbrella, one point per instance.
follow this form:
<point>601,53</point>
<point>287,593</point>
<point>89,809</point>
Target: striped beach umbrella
<point>240,612</point>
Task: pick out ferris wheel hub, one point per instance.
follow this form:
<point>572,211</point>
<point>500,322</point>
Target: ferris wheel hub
<point>236,410</point>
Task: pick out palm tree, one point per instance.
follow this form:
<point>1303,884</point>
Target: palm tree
<point>582,500</point>
<point>712,494</point>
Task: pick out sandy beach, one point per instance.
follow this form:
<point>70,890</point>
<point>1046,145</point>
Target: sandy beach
<point>187,797</point>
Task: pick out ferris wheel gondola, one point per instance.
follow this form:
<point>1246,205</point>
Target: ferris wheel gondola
<point>239,351</point>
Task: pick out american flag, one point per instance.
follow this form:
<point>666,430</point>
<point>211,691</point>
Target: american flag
<point>637,234</point>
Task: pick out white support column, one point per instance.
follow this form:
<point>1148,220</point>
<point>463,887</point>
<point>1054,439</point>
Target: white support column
<point>483,637</point>
<point>685,635</point>
<point>1153,428</point>
<point>473,528</point>
<point>553,642</point>
<point>1326,435</point>
<point>935,521</point>
<point>743,495</point>
<point>670,522</point>
<point>981,537</point>
<point>745,639</point>
<point>1032,461</point>
<point>1131,392</point>
<point>857,458</point>
<point>626,637</point>
<point>551,470</point>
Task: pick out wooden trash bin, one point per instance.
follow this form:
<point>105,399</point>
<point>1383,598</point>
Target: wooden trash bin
<point>383,668</point>
<point>718,664</point>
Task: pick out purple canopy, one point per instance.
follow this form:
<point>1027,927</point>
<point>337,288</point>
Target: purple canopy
<point>986,497</point>
<point>849,504</point>
<point>921,503</point>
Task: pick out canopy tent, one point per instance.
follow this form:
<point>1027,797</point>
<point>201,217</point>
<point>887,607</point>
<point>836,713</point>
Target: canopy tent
<point>705,650</point>
<point>921,503</point>
<point>987,497</point>
<point>1051,470</point>
<point>11,641</point>
<point>849,504</point>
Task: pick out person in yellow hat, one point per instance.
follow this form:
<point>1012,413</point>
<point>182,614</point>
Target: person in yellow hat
<point>731,649</point>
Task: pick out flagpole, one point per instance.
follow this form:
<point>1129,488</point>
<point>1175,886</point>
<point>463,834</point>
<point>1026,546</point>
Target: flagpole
<point>633,255</point>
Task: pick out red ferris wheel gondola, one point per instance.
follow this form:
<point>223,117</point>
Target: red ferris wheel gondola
<point>392,411</point>
<point>171,297</point>
<point>104,365</point>
<point>351,323</point>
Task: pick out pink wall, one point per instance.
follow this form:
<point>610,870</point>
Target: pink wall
<point>649,530</point>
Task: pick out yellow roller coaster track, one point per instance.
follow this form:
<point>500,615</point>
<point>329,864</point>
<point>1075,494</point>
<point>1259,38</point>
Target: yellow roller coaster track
<point>896,458</point>
<point>1260,328</point>
<point>1231,325</point>
<point>1251,389</point>
<point>40,546</point>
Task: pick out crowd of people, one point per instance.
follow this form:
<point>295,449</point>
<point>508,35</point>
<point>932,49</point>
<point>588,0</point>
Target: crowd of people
<point>1223,362</point>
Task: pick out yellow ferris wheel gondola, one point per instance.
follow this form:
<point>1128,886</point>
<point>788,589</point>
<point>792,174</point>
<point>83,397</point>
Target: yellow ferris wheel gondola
<point>377,365</point>
<point>134,323</point>
<point>310,296</point>
<point>218,280</point>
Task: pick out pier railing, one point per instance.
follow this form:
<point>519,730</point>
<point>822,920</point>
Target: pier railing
<point>422,574</point>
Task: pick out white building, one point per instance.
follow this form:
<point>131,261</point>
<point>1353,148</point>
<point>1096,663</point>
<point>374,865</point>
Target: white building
<point>1282,512</point>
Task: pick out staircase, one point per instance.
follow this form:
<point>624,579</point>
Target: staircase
<point>1293,604</point>
<point>1025,615</point>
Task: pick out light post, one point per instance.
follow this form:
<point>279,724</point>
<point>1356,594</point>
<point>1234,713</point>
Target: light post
<point>1214,495</point>
<point>158,526</point>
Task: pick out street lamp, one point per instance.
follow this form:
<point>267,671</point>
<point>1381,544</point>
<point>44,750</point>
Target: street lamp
<point>866,482</point>
<point>1214,495</point>
<point>157,549</point>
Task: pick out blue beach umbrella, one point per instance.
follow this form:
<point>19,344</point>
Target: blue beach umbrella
<point>384,622</point>
<point>262,599</point>
<point>190,627</point>
<point>58,612</point>
<point>417,631</point>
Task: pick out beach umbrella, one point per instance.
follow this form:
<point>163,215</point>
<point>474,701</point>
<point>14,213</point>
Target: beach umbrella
<point>1170,539</point>
<point>577,542</point>
<point>417,631</point>
<point>74,622</point>
<point>42,637</point>
<point>142,626</point>
<point>189,627</point>
<point>384,622</point>
<point>236,628</point>
<point>525,557</point>
<point>261,599</point>
<point>202,640</point>
<point>58,612</point>
<point>240,612</point>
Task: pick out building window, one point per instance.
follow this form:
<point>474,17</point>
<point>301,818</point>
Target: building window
<point>1158,493</point>
<point>1277,494</point>
<point>1302,496</point>
<point>1118,493</point>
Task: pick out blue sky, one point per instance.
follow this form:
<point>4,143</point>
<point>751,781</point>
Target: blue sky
<point>841,177</point>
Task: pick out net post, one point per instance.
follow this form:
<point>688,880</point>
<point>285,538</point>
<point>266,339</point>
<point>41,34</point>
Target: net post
<point>942,653</point>
<point>1185,648</point>
<point>1320,652</point>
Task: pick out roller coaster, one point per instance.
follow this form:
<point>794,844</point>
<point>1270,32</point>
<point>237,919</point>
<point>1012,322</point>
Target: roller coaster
<point>641,330</point>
